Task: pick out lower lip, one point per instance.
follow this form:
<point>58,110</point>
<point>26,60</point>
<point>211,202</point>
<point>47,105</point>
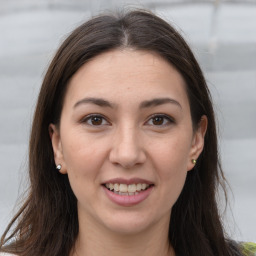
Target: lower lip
<point>128,200</point>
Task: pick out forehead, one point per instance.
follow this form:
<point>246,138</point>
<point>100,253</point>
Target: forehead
<point>123,74</point>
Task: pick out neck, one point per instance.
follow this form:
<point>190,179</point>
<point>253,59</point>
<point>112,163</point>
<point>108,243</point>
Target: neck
<point>94,241</point>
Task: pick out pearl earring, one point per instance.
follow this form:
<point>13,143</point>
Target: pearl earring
<point>193,161</point>
<point>58,167</point>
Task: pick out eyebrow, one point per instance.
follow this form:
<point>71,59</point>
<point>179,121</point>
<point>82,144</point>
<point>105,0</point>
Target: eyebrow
<point>97,101</point>
<point>159,101</point>
<point>145,104</point>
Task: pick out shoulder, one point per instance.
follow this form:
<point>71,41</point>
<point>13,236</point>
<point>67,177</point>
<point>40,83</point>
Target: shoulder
<point>248,249</point>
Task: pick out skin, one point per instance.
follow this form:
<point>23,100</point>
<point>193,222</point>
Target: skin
<point>126,141</point>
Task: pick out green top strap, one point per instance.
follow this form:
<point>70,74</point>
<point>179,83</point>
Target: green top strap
<point>248,249</point>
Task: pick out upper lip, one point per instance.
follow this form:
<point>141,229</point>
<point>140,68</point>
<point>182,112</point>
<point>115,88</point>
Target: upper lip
<point>128,181</point>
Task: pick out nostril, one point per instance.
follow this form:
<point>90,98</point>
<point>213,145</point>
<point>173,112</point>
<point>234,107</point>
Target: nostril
<point>127,159</point>
<point>126,150</point>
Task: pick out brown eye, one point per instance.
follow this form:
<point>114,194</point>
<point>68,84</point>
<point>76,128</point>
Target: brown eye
<point>95,120</point>
<point>158,120</point>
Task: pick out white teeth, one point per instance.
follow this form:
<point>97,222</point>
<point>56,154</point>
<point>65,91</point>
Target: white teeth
<point>116,187</point>
<point>123,188</point>
<point>143,186</point>
<point>125,194</point>
<point>138,187</point>
<point>111,186</point>
<point>131,189</point>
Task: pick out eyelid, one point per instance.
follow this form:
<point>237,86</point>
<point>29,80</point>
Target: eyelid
<point>169,119</point>
<point>87,117</point>
<point>165,116</point>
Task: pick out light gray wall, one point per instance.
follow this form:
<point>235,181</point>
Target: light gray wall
<point>223,39</point>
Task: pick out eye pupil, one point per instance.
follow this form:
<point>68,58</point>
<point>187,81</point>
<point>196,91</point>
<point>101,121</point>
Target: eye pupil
<point>96,120</point>
<point>158,120</point>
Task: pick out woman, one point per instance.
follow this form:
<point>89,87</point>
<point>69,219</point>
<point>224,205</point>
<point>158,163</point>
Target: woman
<point>123,149</point>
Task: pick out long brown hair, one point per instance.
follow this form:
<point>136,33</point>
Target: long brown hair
<point>47,223</point>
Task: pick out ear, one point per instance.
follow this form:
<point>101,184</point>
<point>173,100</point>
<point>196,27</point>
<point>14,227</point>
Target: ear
<point>57,147</point>
<point>197,142</point>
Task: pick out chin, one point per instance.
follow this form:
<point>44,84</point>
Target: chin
<point>127,229</point>
<point>128,225</point>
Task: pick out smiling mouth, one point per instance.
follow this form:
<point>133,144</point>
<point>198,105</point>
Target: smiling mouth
<point>127,190</point>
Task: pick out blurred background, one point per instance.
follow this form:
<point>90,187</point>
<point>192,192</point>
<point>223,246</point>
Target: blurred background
<point>222,35</point>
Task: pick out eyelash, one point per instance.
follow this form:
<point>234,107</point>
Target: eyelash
<point>166,118</point>
<point>89,118</point>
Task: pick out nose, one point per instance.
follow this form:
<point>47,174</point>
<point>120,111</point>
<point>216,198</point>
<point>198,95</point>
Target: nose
<point>127,150</point>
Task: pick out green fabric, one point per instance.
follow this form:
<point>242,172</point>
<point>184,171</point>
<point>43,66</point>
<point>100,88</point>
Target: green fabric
<point>249,249</point>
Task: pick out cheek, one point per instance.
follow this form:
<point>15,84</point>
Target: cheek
<point>81,152</point>
<point>172,176</point>
<point>172,171</point>
<point>170,160</point>
<point>172,155</point>
<point>83,160</point>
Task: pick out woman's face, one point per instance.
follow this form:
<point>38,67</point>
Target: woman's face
<point>126,140</point>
